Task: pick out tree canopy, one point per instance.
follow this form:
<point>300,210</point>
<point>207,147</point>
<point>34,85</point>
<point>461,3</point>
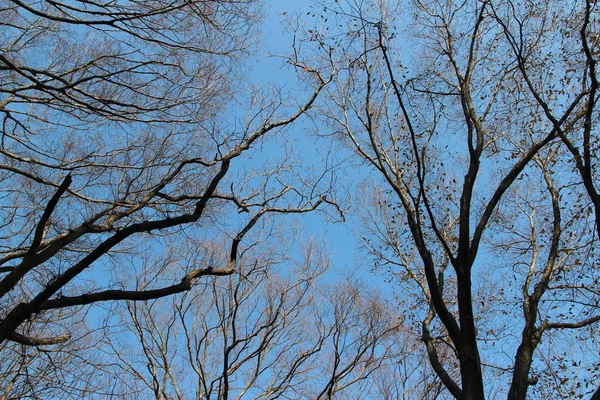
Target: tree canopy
<point>145,185</point>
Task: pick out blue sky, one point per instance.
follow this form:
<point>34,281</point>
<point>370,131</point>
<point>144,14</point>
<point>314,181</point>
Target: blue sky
<point>269,69</point>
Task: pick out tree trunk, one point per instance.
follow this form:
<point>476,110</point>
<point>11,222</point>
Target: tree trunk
<point>470,370</point>
<point>520,380</point>
<point>468,352</point>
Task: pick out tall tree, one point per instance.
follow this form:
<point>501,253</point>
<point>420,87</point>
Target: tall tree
<point>473,115</point>
<point>114,141</point>
<point>275,330</point>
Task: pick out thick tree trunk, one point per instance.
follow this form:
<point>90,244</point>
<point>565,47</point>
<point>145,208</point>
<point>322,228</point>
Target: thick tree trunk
<point>470,370</point>
<point>468,352</point>
<point>520,380</point>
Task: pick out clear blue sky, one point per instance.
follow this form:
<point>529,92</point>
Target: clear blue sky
<point>268,69</point>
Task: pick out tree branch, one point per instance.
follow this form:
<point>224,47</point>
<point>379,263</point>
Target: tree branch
<point>29,341</point>
<point>569,325</point>
<point>137,295</point>
<point>41,226</point>
<point>441,372</point>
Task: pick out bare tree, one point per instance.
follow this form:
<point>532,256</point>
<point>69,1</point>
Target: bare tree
<point>271,330</point>
<point>464,111</point>
<point>64,370</point>
<point>114,142</point>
